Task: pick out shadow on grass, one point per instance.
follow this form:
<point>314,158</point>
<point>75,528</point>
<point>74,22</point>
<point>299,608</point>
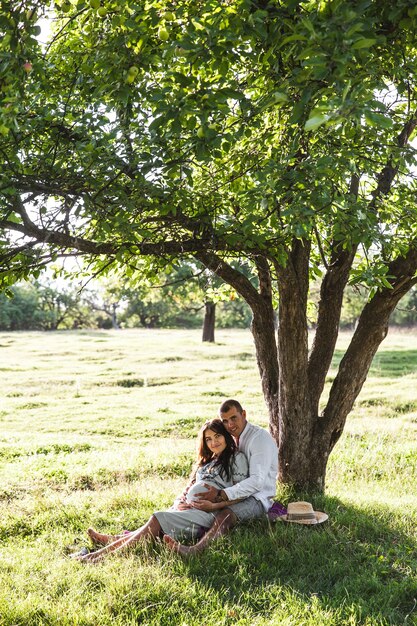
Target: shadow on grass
<point>387,363</point>
<point>357,568</point>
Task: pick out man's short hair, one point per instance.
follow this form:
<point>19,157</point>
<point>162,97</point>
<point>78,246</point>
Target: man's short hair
<point>229,404</point>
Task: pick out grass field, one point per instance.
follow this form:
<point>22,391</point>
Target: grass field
<point>98,428</point>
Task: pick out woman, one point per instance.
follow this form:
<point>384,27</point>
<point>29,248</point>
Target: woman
<point>218,464</point>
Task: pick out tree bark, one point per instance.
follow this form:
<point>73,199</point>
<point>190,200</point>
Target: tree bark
<point>263,329</point>
<point>328,319</point>
<point>295,410</point>
<point>209,321</point>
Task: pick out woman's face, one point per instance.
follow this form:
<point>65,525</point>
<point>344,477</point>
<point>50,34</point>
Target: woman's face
<point>215,442</point>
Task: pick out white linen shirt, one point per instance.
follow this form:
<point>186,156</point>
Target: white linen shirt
<point>262,454</point>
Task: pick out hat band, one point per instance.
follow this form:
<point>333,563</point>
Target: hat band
<point>295,516</point>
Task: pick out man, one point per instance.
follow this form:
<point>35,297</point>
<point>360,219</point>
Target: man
<point>249,499</point>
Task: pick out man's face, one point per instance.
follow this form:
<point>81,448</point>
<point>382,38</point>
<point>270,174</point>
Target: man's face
<point>234,421</point>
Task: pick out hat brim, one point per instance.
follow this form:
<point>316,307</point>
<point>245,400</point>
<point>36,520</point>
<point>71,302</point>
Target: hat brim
<point>319,518</point>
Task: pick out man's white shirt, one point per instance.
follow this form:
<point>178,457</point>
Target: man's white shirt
<point>262,453</point>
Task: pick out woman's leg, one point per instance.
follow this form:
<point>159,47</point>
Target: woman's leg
<point>150,530</point>
<point>102,538</point>
<point>225,520</point>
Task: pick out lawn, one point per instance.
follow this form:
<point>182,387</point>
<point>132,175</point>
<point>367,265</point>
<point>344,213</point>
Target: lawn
<point>98,428</point>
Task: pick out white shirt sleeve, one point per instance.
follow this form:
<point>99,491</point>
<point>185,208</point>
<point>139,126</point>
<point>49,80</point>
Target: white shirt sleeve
<point>260,461</point>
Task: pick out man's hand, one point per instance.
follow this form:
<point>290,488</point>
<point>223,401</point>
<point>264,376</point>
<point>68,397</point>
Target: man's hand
<point>210,495</point>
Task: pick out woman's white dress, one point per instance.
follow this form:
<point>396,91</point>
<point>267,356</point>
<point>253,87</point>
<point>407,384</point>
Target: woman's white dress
<point>190,524</point>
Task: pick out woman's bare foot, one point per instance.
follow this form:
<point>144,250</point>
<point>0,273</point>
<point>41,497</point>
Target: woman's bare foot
<point>177,547</point>
<point>100,538</point>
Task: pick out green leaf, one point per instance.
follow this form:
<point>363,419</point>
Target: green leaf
<point>363,43</point>
<point>280,96</point>
<point>15,219</point>
<point>292,38</point>
<point>354,29</point>
<point>315,121</point>
<point>378,120</point>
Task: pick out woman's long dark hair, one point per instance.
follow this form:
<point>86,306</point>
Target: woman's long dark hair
<point>205,455</point>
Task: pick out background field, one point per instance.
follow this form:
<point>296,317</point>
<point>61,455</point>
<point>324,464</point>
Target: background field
<point>98,428</point>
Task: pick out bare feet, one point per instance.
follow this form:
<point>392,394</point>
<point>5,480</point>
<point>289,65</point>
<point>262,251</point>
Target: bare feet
<point>177,547</point>
<point>100,538</point>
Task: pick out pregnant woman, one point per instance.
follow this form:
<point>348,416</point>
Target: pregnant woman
<point>218,464</point>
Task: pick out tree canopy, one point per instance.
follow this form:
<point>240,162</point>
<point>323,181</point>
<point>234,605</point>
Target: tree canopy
<point>274,134</point>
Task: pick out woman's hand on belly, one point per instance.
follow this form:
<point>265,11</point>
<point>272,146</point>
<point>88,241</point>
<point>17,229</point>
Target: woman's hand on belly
<point>183,506</point>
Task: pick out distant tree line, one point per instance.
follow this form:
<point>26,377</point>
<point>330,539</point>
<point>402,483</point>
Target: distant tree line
<point>174,304</point>
<point>39,306</point>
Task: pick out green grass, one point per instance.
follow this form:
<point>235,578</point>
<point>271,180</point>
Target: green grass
<point>99,427</point>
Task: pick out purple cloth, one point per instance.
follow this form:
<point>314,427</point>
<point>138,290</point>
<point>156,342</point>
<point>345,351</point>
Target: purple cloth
<point>276,510</point>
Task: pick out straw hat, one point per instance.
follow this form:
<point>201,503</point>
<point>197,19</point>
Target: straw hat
<point>303,513</point>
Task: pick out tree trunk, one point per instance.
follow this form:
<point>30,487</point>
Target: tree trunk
<point>114,321</point>
<point>209,321</point>
<point>297,415</point>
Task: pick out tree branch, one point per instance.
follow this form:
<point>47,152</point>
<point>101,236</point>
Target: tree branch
<point>264,275</point>
<point>329,311</point>
<point>328,319</point>
<point>389,172</point>
<point>226,272</point>
<point>80,245</point>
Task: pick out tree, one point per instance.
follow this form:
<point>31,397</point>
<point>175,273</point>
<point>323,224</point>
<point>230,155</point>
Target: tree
<point>21,311</point>
<point>209,322</point>
<point>43,306</point>
<point>218,293</point>
<point>58,307</point>
<point>274,134</point>
<point>107,298</point>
